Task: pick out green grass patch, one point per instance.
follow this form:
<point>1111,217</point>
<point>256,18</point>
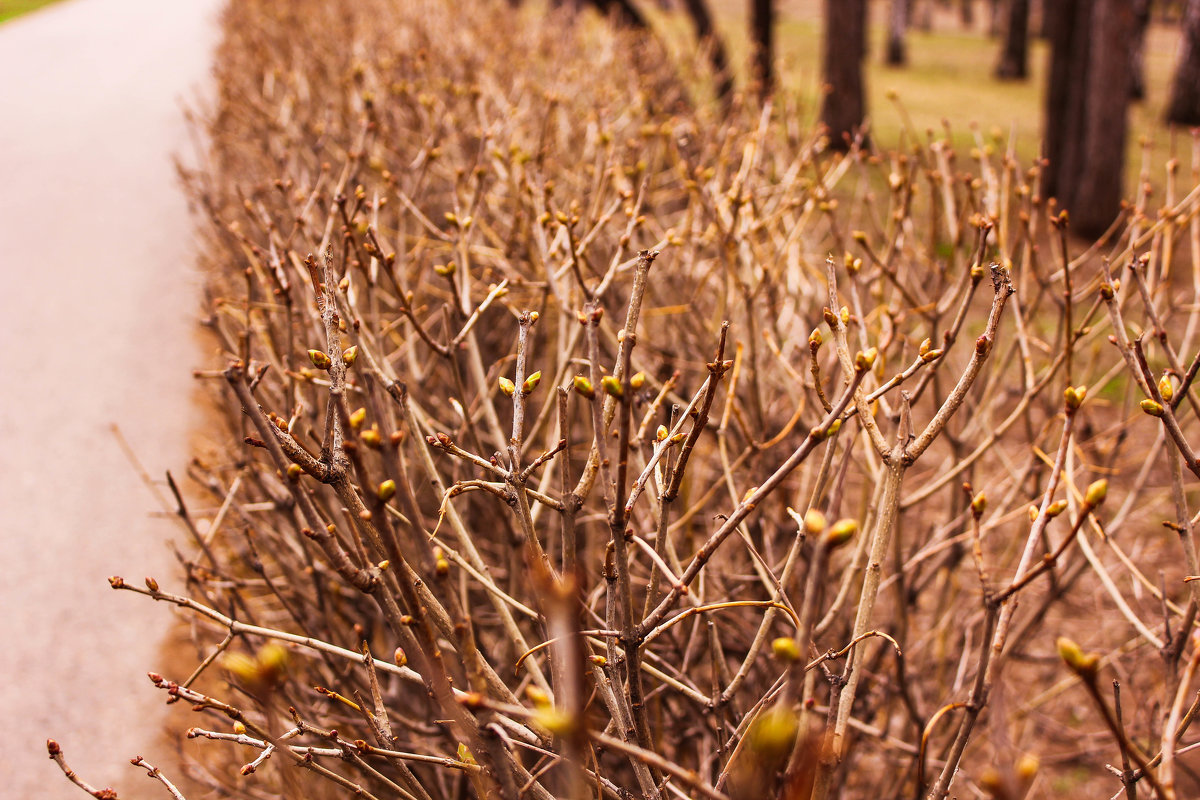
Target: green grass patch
<point>10,9</point>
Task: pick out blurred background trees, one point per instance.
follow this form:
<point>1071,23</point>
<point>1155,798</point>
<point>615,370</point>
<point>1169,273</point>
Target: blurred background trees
<point>1088,57</point>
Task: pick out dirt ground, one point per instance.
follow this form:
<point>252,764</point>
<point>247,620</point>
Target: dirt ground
<point>100,303</point>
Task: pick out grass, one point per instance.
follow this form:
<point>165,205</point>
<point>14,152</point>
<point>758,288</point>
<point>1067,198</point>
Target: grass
<point>11,9</point>
<point>948,81</point>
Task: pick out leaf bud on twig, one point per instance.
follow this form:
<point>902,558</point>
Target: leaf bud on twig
<point>612,386</point>
<point>386,490</point>
<point>350,355</point>
<point>1056,508</point>
<point>637,380</point>
<point>786,649</point>
<point>842,532</point>
<point>661,433</point>
<point>979,504</point>
<point>1085,665</point>
<point>1096,493</point>
<point>531,383</point>
<point>357,417</point>
<point>814,522</point>
<point>319,359</point>
<point>1166,388</point>
<point>294,472</point>
<point>866,359</point>
<point>1152,408</point>
<point>584,387</point>
<point>372,439</point>
<point>1073,397</point>
<point>815,340</point>
<point>506,386</point>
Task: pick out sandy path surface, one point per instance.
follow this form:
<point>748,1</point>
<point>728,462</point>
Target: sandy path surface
<point>99,304</point>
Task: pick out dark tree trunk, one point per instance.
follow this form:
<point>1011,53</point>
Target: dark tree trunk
<point>1137,50</point>
<point>967,9</point>
<point>1086,105</point>
<point>762,32</point>
<point>843,48</point>
<point>1014,57</point>
<point>623,11</point>
<point>1184,106</point>
<point>714,46</point>
<point>897,53</point>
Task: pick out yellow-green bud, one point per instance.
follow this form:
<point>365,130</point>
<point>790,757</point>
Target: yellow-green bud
<point>1056,508</point>
<point>925,346</point>
<point>506,386</point>
<point>371,438</point>
<point>865,360</point>
<point>842,532</point>
<point>1085,665</point>
<point>637,380</point>
<point>531,382</point>
<point>814,522</point>
<point>1073,397</point>
<point>612,386</point>
<point>661,433</point>
<point>932,355</point>
<point>1166,388</point>
<point>350,355</point>
<point>1151,407</point>
<point>584,387</point>
<point>387,490</point>
<point>815,339</point>
<point>357,417</point>
<point>294,472</point>
<point>786,649</point>
<point>319,359</point>
<point>979,504</point>
<point>1096,493</point>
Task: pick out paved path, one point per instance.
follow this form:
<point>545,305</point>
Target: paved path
<point>99,303</point>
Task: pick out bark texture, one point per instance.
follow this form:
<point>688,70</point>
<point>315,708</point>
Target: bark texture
<point>843,49</point>
<point>1184,106</point>
<point>762,29</point>
<point>1014,56</point>
<point>1086,105</point>
<point>897,52</point>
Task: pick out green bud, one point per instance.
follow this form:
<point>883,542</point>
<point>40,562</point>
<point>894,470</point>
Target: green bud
<point>319,359</point>
<point>506,386</point>
<point>584,387</point>
<point>1151,407</point>
<point>842,532</point>
<point>531,382</point>
<point>1096,493</point>
<point>786,649</point>
<point>612,386</point>
<point>386,490</point>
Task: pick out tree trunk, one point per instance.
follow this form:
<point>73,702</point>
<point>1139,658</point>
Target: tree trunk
<point>843,47</point>
<point>713,45</point>
<point>967,8</point>
<point>623,11</point>
<point>897,53</point>
<point>1137,50</point>
<point>1086,104</point>
<point>1014,57</point>
<point>762,32</point>
<point>1184,107</point>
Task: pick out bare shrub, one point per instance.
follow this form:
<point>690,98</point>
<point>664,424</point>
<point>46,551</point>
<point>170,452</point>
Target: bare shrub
<point>587,443</point>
